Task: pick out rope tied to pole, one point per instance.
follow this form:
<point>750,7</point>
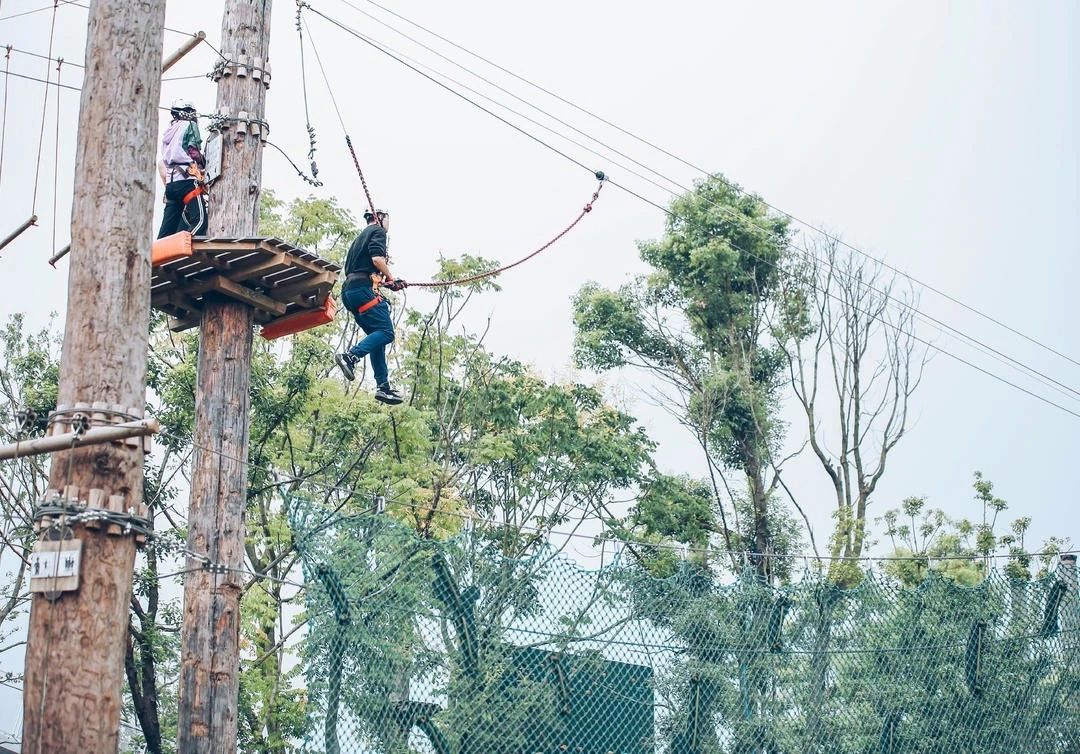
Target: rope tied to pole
<point>499,270</point>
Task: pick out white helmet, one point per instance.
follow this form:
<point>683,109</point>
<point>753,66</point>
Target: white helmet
<point>182,108</point>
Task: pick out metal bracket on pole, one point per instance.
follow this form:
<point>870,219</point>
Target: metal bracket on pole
<point>242,66</point>
<point>87,424</point>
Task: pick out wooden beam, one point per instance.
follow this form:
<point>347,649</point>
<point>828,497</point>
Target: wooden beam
<point>312,283</point>
<point>239,274</point>
<point>247,296</point>
<point>92,436</point>
<point>177,324</point>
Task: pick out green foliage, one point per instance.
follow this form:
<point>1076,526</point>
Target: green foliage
<point>927,541</point>
<point>704,324</point>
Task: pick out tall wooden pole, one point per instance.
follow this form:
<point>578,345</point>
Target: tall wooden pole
<point>75,648</point>
<point>210,654</point>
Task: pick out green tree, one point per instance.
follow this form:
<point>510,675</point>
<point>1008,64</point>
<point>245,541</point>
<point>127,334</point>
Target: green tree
<point>704,323</point>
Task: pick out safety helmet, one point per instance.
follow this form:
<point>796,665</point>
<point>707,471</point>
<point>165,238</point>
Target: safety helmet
<point>368,217</point>
<point>182,108</point>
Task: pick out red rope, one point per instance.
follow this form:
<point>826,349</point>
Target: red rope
<point>367,193</point>
<point>491,273</point>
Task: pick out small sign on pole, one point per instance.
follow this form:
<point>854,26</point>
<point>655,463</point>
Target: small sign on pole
<point>213,157</point>
<point>54,565</point>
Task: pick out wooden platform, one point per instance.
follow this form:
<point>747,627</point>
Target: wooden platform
<point>274,277</point>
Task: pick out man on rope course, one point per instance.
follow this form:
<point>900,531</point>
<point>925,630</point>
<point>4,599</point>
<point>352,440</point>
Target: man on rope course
<point>181,170</point>
<point>366,269</point>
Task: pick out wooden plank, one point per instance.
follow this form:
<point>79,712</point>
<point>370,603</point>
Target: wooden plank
<point>310,284</point>
<point>268,263</point>
<point>248,296</point>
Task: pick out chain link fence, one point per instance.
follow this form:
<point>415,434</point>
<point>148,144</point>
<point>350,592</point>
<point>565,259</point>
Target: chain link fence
<point>454,648</point>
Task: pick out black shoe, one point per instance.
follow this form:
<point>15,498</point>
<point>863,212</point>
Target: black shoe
<point>346,361</point>
<point>387,394</point>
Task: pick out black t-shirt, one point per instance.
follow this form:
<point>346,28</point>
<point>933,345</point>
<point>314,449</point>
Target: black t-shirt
<point>370,243</point>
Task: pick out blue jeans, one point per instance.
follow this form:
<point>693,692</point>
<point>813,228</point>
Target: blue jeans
<point>378,326</point>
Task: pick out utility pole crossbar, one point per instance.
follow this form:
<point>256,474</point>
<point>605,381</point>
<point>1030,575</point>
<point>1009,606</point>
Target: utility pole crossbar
<point>187,47</point>
<point>93,436</point>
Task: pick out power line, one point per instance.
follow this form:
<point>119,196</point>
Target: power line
<point>987,349</point>
<point>731,185</point>
<point>626,189</point>
<point>45,81</point>
<point>994,353</point>
<point>456,93</point>
<point>44,8</point>
<point>44,57</point>
<point>639,196</point>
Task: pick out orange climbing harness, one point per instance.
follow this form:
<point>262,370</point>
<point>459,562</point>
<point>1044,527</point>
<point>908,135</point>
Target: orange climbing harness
<point>200,183</point>
<point>370,304</point>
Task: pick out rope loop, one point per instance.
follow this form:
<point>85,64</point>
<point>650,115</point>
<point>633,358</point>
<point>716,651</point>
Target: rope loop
<point>499,270</point>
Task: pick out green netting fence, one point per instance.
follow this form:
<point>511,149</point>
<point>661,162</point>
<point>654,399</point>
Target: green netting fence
<point>453,648</point>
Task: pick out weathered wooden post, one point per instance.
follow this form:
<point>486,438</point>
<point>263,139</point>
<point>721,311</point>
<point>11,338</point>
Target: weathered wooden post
<point>76,642</point>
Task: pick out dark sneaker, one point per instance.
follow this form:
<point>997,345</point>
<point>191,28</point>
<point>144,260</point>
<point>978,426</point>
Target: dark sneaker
<point>346,361</point>
<point>387,394</point>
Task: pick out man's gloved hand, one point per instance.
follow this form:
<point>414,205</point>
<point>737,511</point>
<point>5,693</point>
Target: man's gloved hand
<point>396,285</point>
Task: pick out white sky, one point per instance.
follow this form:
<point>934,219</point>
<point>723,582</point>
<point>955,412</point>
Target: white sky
<point>942,136</point>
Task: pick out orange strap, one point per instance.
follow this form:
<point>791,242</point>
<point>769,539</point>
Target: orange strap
<point>195,192</point>
<point>370,304</point>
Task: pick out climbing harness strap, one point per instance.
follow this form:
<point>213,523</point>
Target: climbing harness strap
<point>370,304</point>
<point>194,193</point>
<point>498,270</point>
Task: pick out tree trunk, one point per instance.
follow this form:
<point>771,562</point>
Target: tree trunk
<point>76,644</point>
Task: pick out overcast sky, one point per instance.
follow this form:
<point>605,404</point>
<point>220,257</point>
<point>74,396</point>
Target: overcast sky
<point>941,136</point>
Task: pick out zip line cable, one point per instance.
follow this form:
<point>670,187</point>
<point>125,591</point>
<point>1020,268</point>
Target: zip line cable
<point>387,49</point>
<point>456,93</point>
<point>599,175</point>
<point>636,195</point>
<point>307,115</point>
<point>48,82</point>
<point>39,56</point>
<point>3,116</point>
<point>985,348</point>
<point>56,159</point>
<point>520,99</point>
<point>652,145</point>
<point>731,185</point>
<point>44,8</point>
<point>348,139</point>
<point>44,108</point>
<point>639,196</point>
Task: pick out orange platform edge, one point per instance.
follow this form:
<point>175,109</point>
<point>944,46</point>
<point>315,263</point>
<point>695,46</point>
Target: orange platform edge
<point>176,246</point>
<point>291,324</point>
